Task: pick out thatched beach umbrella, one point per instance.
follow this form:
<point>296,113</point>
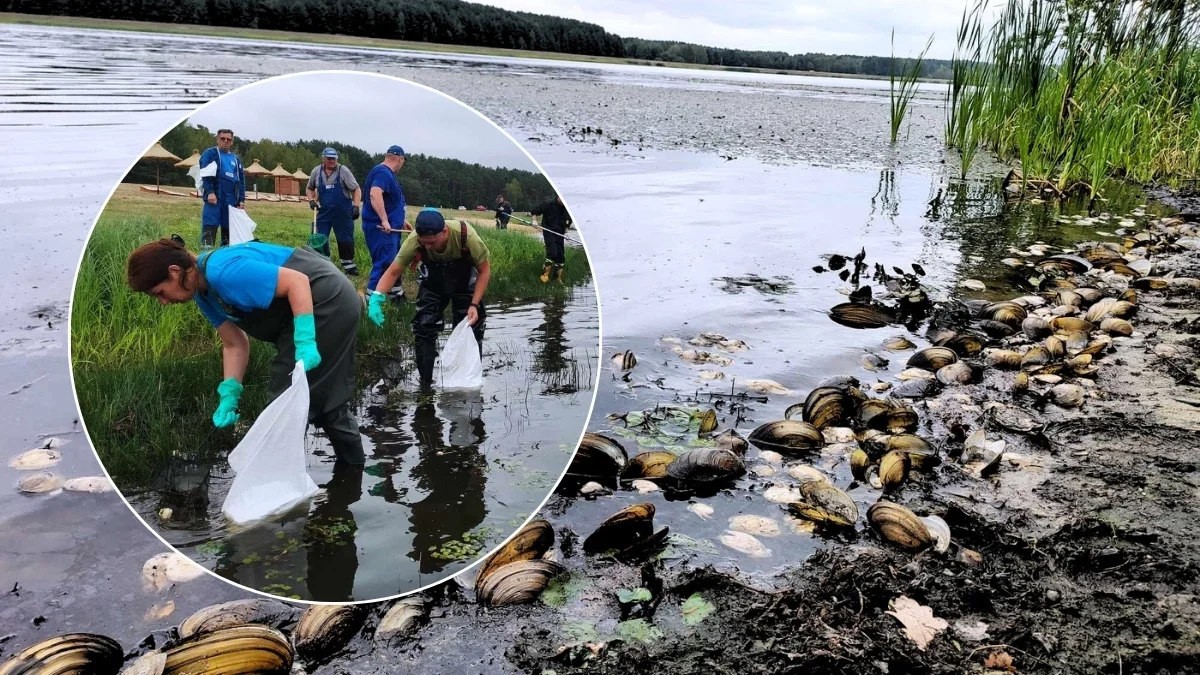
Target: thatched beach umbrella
<point>254,171</point>
<point>157,153</point>
<point>283,179</point>
<point>301,180</point>
<point>191,161</point>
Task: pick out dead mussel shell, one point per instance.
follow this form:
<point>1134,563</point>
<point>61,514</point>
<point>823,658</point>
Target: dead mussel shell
<point>1006,312</point>
<point>1088,294</point>
<point>995,329</point>
<point>859,461</point>
<point>39,482</point>
<point>701,466</point>
<point>598,458</point>
<point>1002,358</point>
<point>1114,326</point>
<point>236,613</point>
<point>1065,262</point>
<point>1070,323</point>
<point>888,415</point>
<point>518,582</point>
<point>939,531</point>
<point>238,650</point>
<point>917,388</point>
<point>70,653</point>
<point>530,543</point>
<point>787,436</point>
<point>1129,296</point>
<point>898,343</point>
<point>1100,309</point>
<point>1100,255</point>
<point>893,469</point>
<point>1036,328</point>
<point>624,360</point>
<point>824,503</point>
<point>708,421</point>
<point>648,465</point>
<point>732,441</point>
<point>826,407</point>
<point>1036,357</point>
<point>921,454</point>
<point>855,315</point>
<point>899,525</point>
<point>623,530</point>
<point>402,618</point>
<point>964,345</point>
<point>959,372</point>
<point>932,358</point>
<point>323,630</point>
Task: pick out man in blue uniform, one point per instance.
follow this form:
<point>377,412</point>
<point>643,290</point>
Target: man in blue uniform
<point>383,216</point>
<point>227,188</point>
<point>336,196</point>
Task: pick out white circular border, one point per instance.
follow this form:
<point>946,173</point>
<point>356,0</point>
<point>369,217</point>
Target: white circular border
<point>71,354</point>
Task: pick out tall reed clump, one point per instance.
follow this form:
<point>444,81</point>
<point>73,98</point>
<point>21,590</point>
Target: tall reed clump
<point>1079,92</point>
<point>905,87</point>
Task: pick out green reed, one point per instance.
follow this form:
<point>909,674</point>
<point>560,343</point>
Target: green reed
<point>903,87</point>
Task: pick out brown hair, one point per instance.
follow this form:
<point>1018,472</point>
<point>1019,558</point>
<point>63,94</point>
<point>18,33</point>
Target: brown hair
<point>148,265</point>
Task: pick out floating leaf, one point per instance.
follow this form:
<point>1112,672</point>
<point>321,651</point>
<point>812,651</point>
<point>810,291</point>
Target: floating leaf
<point>695,609</point>
<point>563,589</point>
<point>627,596</point>
<point>580,631</point>
<point>640,630</point>
<point>635,418</point>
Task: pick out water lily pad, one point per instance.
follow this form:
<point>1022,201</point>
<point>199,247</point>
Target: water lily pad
<point>640,630</point>
<point>627,595</point>
<point>564,589</point>
<point>695,609</point>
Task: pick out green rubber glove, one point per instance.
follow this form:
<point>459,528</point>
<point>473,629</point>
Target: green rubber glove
<point>375,309</point>
<point>226,414</point>
<point>305,337</point>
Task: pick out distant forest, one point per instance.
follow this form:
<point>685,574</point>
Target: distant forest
<point>456,23</point>
<point>427,181</point>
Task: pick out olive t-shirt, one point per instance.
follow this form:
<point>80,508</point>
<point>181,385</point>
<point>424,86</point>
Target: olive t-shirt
<point>479,250</point>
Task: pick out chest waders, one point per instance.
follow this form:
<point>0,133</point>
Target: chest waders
<point>336,213</point>
<point>441,283</point>
<point>225,187</point>
<point>336,312</point>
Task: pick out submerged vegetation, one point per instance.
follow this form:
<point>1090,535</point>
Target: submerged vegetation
<point>1079,91</point>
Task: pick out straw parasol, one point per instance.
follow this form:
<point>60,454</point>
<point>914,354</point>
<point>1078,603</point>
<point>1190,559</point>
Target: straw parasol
<point>301,180</point>
<point>190,161</point>
<point>157,153</point>
<point>254,171</point>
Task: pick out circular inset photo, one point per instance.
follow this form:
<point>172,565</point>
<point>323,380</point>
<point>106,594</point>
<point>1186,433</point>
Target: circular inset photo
<point>335,337</point>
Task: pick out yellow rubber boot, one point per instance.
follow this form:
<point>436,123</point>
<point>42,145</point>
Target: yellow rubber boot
<point>545,274</point>
<point>559,275</point>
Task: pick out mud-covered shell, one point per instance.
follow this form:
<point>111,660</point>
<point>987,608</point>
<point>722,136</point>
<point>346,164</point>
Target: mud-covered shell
<point>1070,323</point>
<point>921,455</point>
<point>964,345</point>
<point>70,653</point>
<point>530,543</point>
<point>518,582</point>
<point>787,436</point>
<point>1130,296</point>
<point>827,407</point>
<point>235,613</point>
<point>932,358</point>
<point>855,315</point>
<point>1067,395</point>
<point>648,465</point>
<point>1100,309</point>
<point>402,618</point>
<point>825,503</point>
<point>150,663</point>
<point>1037,355</point>
<point>238,650</point>
<point>598,458</point>
<point>893,469</point>
<point>324,629</point>
<point>622,529</point>
<point>898,343</point>
<point>959,372</point>
<point>1006,312</point>
<point>706,465</point>
<point>39,482</point>
<point>1115,326</point>
<point>732,441</point>
<point>917,388</point>
<point>1002,358</point>
<point>1036,328</point>
<point>899,525</point>
<point>859,461</point>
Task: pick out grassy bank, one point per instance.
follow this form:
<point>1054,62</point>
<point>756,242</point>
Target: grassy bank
<point>146,374</point>
<point>1079,93</point>
<point>376,43</point>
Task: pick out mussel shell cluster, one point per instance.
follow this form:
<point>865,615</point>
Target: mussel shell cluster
<point>518,572</point>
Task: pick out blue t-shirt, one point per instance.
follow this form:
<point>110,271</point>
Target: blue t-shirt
<point>244,276</point>
<point>393,197</point>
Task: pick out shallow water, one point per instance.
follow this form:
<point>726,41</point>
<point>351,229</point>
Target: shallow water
<point>443,470</point>
<point>665,215</point>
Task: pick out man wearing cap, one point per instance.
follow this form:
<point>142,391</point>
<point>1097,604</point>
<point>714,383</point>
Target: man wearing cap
<point>555,221</point>
<point>219,192</point>
<point>455,270</point>
<point>336,197</point>
<point>503,211</point>
<point>383,215</point>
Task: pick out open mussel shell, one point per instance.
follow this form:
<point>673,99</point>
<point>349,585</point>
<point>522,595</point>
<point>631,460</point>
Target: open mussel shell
<point>1036,357</point>
<point>1122,269</point>
<point>921,455</point>
<point>706,465</point>
<point>964,345</point>
<point>238,650</point>
<point>827,407</point>
<point>236,613</point>
<point>530,543</point>
<point>1071,264</point>
<point>939,531</point>
<point>648,465</point>
<point>732,441</point>
<point>70,653</point>
<point>1006,312</point>
<point>518,582</point>
<point>402,618</point>
<point>622,529</point>
<point>932,358</point>
<point>598,458</point>
<point>822,502</point>
<point>855,315</point>
<point>787,436</point>
<point>1036,328</point>
<point>899,525</point>
<point>323,630</point>
<point>893,469</point>
<point>898,418</point>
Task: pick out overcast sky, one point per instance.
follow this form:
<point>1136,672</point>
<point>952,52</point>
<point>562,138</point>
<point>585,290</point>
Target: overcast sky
<point>368,111</point>
<point>830,26</point>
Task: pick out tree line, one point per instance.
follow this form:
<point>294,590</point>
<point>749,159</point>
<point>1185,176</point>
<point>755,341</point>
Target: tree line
<point>427,181</point>
<point>457,23</point>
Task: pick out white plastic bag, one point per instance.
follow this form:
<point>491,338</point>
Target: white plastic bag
<point>270,461</point>
<point>241,227</point>
<point>461,367</point>
<point>199,174</point>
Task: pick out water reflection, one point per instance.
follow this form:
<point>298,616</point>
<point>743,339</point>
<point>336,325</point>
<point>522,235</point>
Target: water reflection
<point>329,535</point>
<point>452,473</point>
<point>550,361</point>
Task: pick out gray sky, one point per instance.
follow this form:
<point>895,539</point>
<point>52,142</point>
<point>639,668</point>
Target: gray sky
<point>368,111</point>
<point>833,27</point>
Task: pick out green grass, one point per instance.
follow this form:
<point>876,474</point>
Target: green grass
<point>146,375</point>
<point>1079,93</point>
<point>903,89</point>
